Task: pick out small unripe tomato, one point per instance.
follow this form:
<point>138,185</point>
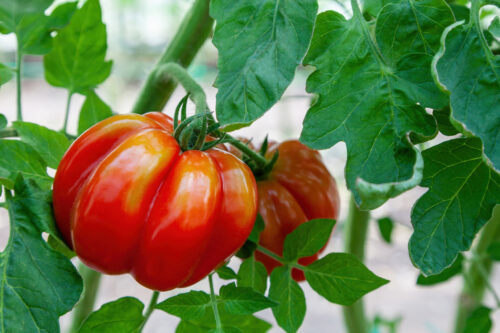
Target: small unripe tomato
<point>128,200</point>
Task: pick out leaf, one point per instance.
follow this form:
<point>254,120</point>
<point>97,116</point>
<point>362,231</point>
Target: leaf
<point>27,20</point>
<point>77,59</point>
<point>385,226</point>
<point>3,121</point>
<point>250,244</point>
<point>243,300</point>
<point>494,251</point>
<point>62,14</point>
<point>478,321</point>
<point>307,239</point>
<point>230,322</point>
<point>291,308</point>
<point>466,68</point>
<point>122,315</point>
<point>462,193</point>
<point>444,124</point>
<point>258,53</point>
<point>6,74</point>
<point>19,157</point>
<point>50,144</point>
<point>368,102</point>
<point>445,275</point>
<point>226,273</point>
<point>93,111</point>
<point>38,284</point>
<point>341,278</point>
<point>494,27</point>
<point>191,305</point>
<point>253,274</point>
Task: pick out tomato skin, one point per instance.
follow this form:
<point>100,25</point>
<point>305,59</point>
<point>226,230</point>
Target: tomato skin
<point>127,200</point>
<point>298,189</point>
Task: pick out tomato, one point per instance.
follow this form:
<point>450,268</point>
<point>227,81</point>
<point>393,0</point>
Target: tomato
<point>298,189</point>
<point>128,200</point>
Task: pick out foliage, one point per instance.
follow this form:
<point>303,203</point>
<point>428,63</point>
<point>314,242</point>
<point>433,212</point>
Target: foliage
<point>386,82</point>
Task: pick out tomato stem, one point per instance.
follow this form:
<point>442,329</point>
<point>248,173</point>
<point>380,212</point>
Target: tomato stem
<point>18,71</point>
<point>476,275</point>
<point>150,308</point>
<point>213,300</point>
<point>192,33</point>
<point>258,158</point>
<point>91,280</point>
<point>66,115</point>
<point>356,230</point>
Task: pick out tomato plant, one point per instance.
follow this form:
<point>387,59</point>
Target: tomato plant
<point>411,87</point>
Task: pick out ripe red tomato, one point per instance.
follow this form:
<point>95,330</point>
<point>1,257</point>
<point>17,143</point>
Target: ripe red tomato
<point>298,189</point>
<point>127,199</point>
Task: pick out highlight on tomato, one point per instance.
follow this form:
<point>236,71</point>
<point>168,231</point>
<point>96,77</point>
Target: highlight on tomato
<point>128,199</point>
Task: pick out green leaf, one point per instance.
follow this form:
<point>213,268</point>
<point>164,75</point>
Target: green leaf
<point>494,251</point>
<point>38,284</point>
<point>341,278</point>
<point>6,74</point>
<point>3,121</point>
<point>445,275</point>
<point>230,322</point>
<point>385,226</point>
<point>226,273</point>
<point>77,59</point>
<point>20,158</point>
<point>373,7</point>
<point>494,27</point>
<point>257,55</point>
<point>291,308</point>
<point>466,68</point>
<point>253,274</point>
<point>62,14</point>
<point>48,143</point>
<point>61,247</point>
<point>191,305</point>
<point>478,321</point>
<point>408,35</point>
<point>307,239</point>
<point>243,300</point>
<point>375,115</point>
<point>251,243</point>
<point>93,111</point>
<point>462,193</point>
<point>122,315</point>
<point>444,124</point>
<point>27,20</point>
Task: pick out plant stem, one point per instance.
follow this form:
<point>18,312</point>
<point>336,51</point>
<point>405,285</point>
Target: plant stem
<point>477,274</point>
<point>270,254</point>
<point>19,68</point>
<point>66,115</point>
<point>167,72</point>
<point>194,30</point>
<point>150,308</point>
<point>8,132</point>
<point>356,229</point>
<point>218,323</point>
<point>85,306</point>
<point>258,158</point>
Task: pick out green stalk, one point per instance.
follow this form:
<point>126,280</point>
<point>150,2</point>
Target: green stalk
<point>8,132</point>
<point>19,67</point>
<point>150,308</point>
<point>66,115</point>
<point>193,32</point>
<point>86,304</point>
<point>477,274</point>
<point>213,300</point>
<point>356,229</point>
